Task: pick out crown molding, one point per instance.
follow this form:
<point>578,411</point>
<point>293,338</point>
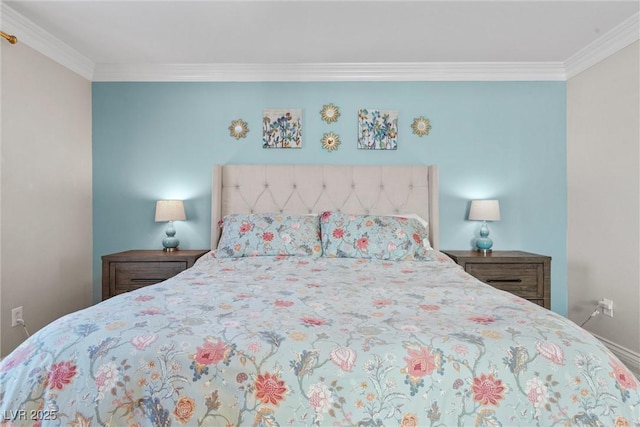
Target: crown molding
<point>38,39</point>
<point>609,43</point>
<point>438,71</point>
<point>50,46</point>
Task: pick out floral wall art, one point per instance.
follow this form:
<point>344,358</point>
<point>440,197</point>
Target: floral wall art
<point>282,128</point>
<point>377,129</point>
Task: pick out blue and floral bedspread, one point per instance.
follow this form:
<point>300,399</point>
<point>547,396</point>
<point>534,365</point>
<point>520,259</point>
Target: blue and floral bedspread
<point>304,341</point>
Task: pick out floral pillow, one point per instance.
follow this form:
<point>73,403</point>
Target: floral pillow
<point>269,235</point>
<point>372,236</point>
<point>425,224</point>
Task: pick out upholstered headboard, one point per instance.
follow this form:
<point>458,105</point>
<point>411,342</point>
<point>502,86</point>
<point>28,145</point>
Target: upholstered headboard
<point>305,189</point>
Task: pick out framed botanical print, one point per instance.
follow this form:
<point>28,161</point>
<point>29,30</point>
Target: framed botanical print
<point>282,128</point>
<point>377,129</point>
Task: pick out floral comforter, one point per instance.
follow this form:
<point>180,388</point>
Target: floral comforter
<point>314,341</point>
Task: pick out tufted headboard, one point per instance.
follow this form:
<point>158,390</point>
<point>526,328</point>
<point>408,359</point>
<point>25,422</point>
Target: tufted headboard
<point>305,189</point>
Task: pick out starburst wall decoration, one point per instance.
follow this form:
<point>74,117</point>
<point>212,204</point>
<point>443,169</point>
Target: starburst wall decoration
<point>330,113</point>
<point>330,141</point>
<point>421,126</point>
<point>238,129</point>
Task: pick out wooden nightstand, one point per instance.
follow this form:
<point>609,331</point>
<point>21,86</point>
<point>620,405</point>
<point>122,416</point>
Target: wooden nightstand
<point>521,273</point>
<point>126,271</point>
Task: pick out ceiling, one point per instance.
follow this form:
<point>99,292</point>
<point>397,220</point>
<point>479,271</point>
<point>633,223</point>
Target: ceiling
<point>272,33</point>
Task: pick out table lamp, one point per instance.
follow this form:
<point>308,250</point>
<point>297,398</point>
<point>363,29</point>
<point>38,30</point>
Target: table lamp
<point>484,210</point>
<point>170,210</point>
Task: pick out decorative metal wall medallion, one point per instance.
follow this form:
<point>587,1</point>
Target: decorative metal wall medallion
<point>330,141</point>
<point>421,126</point>
<point>330,113</point>
<point>238,129</point>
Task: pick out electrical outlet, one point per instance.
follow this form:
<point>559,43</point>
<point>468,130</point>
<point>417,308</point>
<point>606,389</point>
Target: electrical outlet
<point>16,314</point>
<point>606,305</point>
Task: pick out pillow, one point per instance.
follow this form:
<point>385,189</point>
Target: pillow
<point>372,236</point>
<point>269,235</point>
<point>424,222</point>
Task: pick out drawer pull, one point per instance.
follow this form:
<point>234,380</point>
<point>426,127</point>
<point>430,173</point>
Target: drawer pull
<point>148,280</point>
<point>504,280</point>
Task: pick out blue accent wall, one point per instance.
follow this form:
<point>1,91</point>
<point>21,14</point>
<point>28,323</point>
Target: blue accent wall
<point>504,140</point>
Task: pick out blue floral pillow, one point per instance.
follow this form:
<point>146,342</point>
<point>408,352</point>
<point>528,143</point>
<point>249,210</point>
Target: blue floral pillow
<point>269,235</point>
<point>372,236</point>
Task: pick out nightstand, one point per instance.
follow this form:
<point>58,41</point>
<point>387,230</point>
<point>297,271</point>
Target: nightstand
<point>521,273</point>
<point>126,271</point>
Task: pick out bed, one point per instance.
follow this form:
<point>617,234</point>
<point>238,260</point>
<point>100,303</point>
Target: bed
<point>326,302</point>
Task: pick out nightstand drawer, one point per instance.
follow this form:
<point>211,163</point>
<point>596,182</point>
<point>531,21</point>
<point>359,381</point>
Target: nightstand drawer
<point>524,274</point>
<point>525,280</point>
<point>128,276</point>
<point>130,270</point>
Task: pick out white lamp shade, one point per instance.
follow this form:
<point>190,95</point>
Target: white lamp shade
<point>170,210</point>
<point>484,210</point>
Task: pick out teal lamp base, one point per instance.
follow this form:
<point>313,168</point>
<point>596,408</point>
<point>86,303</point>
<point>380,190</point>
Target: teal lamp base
<point>170,243</point>
<point>484,243</point>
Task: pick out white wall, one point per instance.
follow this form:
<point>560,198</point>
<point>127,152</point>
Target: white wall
<point>45,194</point>
<point>603,177</point>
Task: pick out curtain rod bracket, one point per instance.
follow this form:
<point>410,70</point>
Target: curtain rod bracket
<point>10,38</point>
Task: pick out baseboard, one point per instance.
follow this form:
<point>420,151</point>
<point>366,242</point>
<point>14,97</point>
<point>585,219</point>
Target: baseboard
<point>630,358</point>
